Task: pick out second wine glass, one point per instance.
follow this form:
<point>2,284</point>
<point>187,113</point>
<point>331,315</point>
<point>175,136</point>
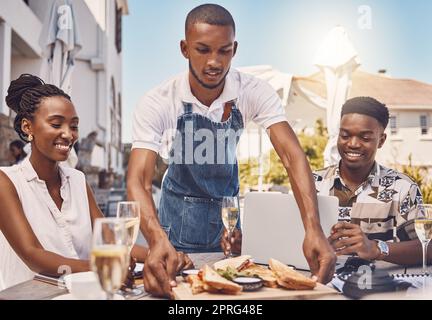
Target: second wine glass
<point>230,214</point>
<point>423,228</point>
<point>130,212</point>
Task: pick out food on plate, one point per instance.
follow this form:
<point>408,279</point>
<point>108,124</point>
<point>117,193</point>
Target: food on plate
<point>231,276</point>
<point>289,278</point>
<point>238,263</point>
<point>267,275</point>
<point>213,282</point>
<point>197,286</point>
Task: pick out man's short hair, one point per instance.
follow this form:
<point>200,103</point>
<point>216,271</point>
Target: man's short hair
<point>212,14</point>
<point>369,107</point>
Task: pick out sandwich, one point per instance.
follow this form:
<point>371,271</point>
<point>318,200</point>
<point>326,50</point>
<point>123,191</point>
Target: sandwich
<point>238,263</point>
<point>215,283</point>
<point>289,278</point>
<point>267,275</point>
<point>197,286</point>
<point>244,266</point>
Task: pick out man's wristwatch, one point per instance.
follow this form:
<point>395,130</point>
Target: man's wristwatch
<point>383,248</point>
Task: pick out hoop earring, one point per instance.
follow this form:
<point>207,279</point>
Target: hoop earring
<point>30,138</point>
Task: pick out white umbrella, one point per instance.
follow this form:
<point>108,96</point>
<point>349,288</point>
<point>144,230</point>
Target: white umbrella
<point>61,42</point>
<point>337,59</point>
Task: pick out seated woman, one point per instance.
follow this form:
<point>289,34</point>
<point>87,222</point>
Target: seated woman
<point>46,210</point>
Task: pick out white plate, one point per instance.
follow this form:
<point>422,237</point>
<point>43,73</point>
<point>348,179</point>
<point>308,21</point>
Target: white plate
<point>69,296</point>
<point>80,277</point>
<point>84,285</point>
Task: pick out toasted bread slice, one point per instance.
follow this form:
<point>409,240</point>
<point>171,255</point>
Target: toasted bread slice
<point>267,275</point>
<point>289,278</point>
<point>210,289</point>
<point>213,279</point>
<point>197,286</point>
<point>237,263</point>
<point>293,285</point>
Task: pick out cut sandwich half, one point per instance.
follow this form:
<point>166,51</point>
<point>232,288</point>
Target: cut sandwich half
<point>237,263</point>
<point>267,275</point>
<point>215,283</point>
<point>289,278</point>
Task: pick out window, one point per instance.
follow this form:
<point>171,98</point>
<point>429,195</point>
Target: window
<point>393,125</point>
<point>118,28</point>
<point>424,125</point>
<point>119,121</point>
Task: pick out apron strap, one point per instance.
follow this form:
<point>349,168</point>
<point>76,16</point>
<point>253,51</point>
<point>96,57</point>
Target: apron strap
<point>187,107</point>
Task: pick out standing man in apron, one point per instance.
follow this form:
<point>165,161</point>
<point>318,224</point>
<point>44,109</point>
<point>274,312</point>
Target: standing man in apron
<point>195,120</point>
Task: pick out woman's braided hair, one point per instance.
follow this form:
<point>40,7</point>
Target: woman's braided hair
<point>25,95</point>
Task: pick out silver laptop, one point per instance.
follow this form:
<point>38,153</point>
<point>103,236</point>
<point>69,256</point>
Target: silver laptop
<point>273,228</point>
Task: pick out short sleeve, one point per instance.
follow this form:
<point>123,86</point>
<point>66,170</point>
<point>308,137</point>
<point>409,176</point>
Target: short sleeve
<point>266,105</point>
<point>147,126</point>
<point>409,206</point>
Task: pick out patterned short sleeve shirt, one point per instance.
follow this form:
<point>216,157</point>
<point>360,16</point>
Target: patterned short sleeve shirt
<point>384,206</point>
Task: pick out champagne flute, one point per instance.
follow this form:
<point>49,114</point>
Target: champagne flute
<point>230,216</point>
<point>423,228</point>
<point>130,212</point>
<point>109,254</point>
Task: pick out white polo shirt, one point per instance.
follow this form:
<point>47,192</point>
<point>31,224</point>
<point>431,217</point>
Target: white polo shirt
<point>155,117</point>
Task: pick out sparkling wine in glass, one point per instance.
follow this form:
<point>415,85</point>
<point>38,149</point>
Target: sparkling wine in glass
<point>230,215</point>
<point>130,212</point>
<point>423,228</point>
<point>109,255</point>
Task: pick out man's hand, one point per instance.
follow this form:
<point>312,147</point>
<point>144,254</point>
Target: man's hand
<point>234,243</point>
<point>184,262</point>
<point>348,238</point>
<point>160,268</point>
<point>320,256</point>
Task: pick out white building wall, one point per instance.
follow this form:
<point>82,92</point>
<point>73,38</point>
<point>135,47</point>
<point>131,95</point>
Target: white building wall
<point>408,141</point>
<point>96,65</point>
<point>301,115</point>
<point>18,25</point>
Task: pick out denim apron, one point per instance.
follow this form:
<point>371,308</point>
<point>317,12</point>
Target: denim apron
<point>203,169</point>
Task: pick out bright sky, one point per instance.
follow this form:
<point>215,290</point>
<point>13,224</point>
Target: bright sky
<point>281,33</point>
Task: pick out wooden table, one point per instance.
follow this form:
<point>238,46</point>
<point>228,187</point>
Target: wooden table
<point>36,290</point>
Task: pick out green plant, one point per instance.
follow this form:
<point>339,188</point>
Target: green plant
<point>419,175</point>
<point>274,171</point>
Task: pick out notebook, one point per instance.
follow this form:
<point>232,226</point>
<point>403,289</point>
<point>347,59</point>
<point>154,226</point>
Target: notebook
<point>50,280</point>
<point>416,280</point>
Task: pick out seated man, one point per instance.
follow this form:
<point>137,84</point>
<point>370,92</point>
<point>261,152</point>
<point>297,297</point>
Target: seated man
<point>374,201</point>
<point>377,205</point>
